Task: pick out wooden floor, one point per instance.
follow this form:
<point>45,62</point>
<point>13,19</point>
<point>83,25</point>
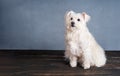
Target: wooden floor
<point>51,63</point>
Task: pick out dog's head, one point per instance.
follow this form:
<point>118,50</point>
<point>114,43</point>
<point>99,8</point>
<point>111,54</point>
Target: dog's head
<point>76,21</point>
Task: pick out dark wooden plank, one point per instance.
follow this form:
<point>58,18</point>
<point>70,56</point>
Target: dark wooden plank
<point>39,63</point>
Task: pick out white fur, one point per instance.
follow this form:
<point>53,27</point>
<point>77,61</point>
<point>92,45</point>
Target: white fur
<point>80,44</point>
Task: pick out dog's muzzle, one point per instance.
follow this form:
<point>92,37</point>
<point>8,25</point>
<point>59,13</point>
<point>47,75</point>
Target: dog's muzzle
<point>73,24</point>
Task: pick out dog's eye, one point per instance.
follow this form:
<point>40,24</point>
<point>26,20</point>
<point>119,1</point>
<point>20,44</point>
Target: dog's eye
<point>78,19</point>
<point>71,18</point>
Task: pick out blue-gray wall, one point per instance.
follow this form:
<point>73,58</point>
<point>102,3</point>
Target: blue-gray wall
<point>39,24</point>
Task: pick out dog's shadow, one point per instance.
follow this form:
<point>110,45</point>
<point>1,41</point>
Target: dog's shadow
<point>67,62</point>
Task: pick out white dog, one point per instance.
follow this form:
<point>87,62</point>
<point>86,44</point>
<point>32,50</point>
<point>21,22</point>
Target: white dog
<point>80,44</point>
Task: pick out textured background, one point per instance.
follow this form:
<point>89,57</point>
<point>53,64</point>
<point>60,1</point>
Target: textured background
<point>39,24</point>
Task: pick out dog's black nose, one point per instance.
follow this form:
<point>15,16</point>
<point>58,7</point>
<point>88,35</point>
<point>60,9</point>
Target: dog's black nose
<point>73,24</point>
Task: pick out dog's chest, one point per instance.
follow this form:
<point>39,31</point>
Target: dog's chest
<point>74,37</point>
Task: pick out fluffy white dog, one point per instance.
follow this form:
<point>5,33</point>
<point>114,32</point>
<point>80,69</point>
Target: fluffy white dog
<point>80,44</point>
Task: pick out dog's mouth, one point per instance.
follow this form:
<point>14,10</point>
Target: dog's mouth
<point>72,25</point>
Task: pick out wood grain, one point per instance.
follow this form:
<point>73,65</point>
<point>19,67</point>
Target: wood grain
<point>51,63</point>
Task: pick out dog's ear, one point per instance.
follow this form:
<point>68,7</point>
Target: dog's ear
<point>86,17</point>
<point>68,13</point>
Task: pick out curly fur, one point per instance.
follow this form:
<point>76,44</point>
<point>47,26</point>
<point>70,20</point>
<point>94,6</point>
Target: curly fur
<point>80,44</point>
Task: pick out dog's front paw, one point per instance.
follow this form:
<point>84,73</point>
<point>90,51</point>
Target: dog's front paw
<point>86,66</point>
<point>73,64</point>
